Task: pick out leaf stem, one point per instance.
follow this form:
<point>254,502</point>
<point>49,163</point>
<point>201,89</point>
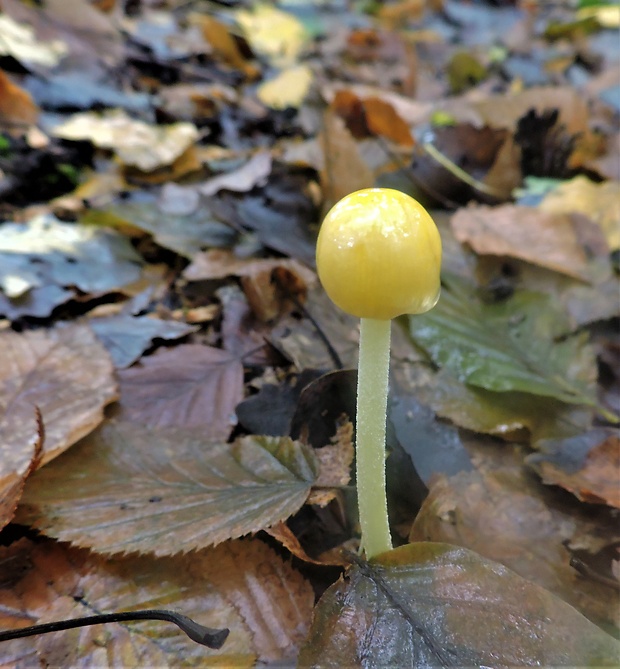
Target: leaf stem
<point>372,391</point>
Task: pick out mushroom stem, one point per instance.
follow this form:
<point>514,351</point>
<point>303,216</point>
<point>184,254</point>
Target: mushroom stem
<point>372,392</point>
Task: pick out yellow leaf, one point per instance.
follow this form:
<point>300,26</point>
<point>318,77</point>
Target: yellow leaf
<point>274,34</point>
<point>287,89</point>
<point>597,201</point>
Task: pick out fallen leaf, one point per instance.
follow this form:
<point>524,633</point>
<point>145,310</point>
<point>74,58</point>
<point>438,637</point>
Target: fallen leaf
<point>280,214</point>
<point>19,40</point>
<point>383,120</point>
<point>46,251</point>
<point>38,302</point>
<point>219,37</point>
<point>433,446</point>
<point>127,337</point>
<point>344,168</point>
<point>431,604</point>
<point>598,202</point>
<point>226,587</point>
<point>287,89</point>
<point>554,241</point>
<point>12,484</point>
<point>271,410</point>
<point>506,514</point>
<point>587,465</point>
<point>187,386</point>
<point>251,174</point>
<point>186,234</point>
<point>507,346</point>
<point>269,284</point>
<point>137,144</point>
<point>503,111</point>
<point>17,108</point>
<point>513,416</point>
<point>272,33</point>
<point>65,373</point>
<point>335,461</point>
<point>128,488</point>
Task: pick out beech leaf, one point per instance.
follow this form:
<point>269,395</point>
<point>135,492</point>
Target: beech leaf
<point>436,605</point>
<point>222,587</point>
<point>129,488</point>
<point>64,372</point>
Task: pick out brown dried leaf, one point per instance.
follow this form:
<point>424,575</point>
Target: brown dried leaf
<point>503,111</point>
<point>335,465</point>
<point>273,600</point>
<point>507,515</point>
<point>17,108</point>
<point>230,586</point>
<point>129,488</point>
<point>383,120</point>
<point>67,374</point>
<point>587,465</point>
<point>345,170</point>
<point>12,485</point>
<point>267,283</point>
<point>187,386</point>
<point>554,241</point>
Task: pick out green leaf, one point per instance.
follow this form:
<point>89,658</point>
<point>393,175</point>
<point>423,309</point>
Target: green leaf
<point>429,605</point>
<point>130,488</point>
<point>507,346</point>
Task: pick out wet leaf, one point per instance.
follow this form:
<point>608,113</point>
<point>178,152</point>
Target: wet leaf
<point>586,465</point>
<point>185,232</point>
<point>222,587</point>
<point>127,337</point>
<point>505,513</point>
<point>128,488</point>
<point>560,242</point>
<point>508,346</point>
<point>430,604</point>
<point>46,251</point>
<point>432,446</point>
<point>137,144</point>
<point>187,386</point>
<point>510,415</point>
<point>65,373</point>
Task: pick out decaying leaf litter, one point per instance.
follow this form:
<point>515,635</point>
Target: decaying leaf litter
<point>175,387</point>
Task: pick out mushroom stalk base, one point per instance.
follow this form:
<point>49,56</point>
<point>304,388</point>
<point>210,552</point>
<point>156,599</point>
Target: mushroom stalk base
<point>372,392</point>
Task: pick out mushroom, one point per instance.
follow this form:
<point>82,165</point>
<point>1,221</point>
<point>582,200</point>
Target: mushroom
<point>378,257</point>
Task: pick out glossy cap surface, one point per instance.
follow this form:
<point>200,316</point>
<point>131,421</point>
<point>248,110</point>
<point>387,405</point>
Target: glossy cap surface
<point>379,255</point>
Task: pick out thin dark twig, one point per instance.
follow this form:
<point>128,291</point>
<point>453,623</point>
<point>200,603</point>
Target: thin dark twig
<point>206,636</point>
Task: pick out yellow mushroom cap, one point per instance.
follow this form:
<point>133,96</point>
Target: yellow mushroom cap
<point>379,255</point>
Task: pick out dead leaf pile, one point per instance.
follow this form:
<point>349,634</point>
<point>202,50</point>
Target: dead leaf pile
<point>177,392</point>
